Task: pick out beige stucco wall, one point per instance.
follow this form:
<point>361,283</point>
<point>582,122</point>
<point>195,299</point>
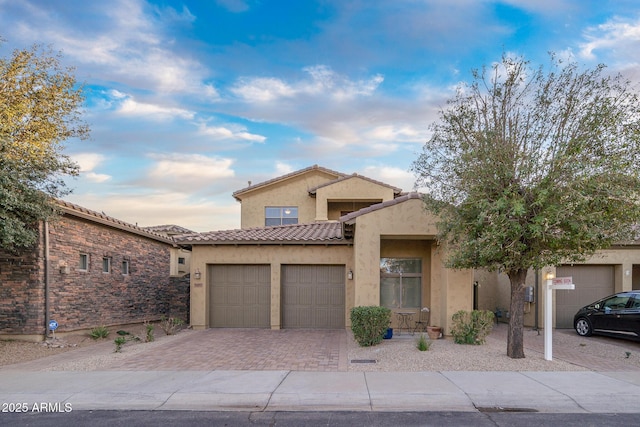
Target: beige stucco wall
<point>449,290</point>
<point>275,256</point>
<point>293,191</point>
<point>495,291</point>
<point>352,189</point>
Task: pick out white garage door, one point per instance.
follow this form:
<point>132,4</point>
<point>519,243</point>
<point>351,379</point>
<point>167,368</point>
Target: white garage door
<point>592,283</point>
<point>313,296</point>
<point>240,296</point>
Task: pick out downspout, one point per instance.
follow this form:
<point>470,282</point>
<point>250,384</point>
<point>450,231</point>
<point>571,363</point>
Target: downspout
<point>46,278</point>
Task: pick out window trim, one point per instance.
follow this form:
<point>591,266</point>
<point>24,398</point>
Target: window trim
<point>401,275</point>
<point>282,215</point>
<point>125,267</point>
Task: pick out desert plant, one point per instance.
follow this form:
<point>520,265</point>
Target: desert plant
<point>99,332</point>
<point>423,343</point>
<point>149,328</point>
<point>471,327</point>
<point>170,324</point>
<point>119,343</point>
<point>369,324</point>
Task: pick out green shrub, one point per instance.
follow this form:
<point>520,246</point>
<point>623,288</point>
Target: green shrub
<point>99,332</point>
<point>369,324</point>
<point>170,325</point>
<point>423,344</point>
<point>471,327</point>
<point>149,327</point>
<point>119,343</point>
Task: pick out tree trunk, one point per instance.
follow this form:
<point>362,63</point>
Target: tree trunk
<point>515,338</point>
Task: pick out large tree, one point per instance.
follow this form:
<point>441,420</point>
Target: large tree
<point>40,108</point>
<point>531,167</point>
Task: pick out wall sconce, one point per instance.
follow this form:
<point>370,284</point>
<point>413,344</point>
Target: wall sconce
<point>549,276</point>
<point>197,274</point>
<point>64,269</point>
<point>627,273</point>
<point>350,275</point>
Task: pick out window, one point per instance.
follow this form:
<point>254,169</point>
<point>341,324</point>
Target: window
<point>106,265</point>
<point>400,283</point>
<point>83,264</point>
<point>282,215</point>
<point>180,260</point>
<point>125,266</point>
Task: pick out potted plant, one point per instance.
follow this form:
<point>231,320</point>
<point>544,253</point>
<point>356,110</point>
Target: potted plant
<point>434,332</point>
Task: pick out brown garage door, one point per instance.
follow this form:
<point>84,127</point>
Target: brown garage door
<point>313,296</point>
<point>240,296</point>
<point>592,283</point>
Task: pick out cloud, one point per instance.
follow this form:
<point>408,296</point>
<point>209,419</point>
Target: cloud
<point>234,6</point>
<point>88,162</point>
<point>230,131</point>
<point>176,166</point>
<point>391,175</point>
<point>168,207</point>
<point>617,37</point>
<point>130,107</point>
<point>322,82</point>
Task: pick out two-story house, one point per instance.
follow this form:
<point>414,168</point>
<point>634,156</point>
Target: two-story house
<point>315,243</point>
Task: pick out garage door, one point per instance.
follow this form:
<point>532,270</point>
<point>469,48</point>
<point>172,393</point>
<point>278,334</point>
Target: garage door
<point>592,283</point>
<point>240,296</point>
<point>313,296</point>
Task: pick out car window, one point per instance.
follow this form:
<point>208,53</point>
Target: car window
<point>616,302</point>
<point>635,303</point>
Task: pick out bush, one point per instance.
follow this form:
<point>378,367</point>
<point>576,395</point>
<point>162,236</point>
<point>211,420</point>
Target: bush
<point>99,332</point>
<point>369,324</point>
<point>422,343</point>
<point>170,325</point>
<point>471,327</point>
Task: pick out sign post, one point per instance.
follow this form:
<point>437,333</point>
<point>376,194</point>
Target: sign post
<point>53,325</point>
<point>552,284</point>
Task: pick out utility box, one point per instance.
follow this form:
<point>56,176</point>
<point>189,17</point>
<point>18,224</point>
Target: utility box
<point>528,294</point>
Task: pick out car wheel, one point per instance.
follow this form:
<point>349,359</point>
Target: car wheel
<point>583,327</point>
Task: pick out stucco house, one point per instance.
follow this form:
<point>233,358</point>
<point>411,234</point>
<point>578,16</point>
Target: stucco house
<point>86,270</point>
<point>315,243</point>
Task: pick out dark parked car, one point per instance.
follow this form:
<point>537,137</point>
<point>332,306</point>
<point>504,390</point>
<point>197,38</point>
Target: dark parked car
<point>616,315</point>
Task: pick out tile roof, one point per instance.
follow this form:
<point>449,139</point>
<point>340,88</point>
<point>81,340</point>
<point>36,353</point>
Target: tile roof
<point>396,190</point>
<point>314,233</point>
<point>169,229</point>
<point>289,175</point>
<point>350,218</point>
<point>102,218</point>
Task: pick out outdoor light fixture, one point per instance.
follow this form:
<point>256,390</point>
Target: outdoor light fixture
<point>350,275</point>
<point>196,274</point>
<point>549,276</point>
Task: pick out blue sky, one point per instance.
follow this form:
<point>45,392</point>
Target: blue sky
<point>190,100</point>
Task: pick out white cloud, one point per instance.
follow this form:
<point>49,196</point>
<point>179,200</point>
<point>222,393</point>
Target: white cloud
<point>283,168</point>
<point>130,107</point>
<point>235,6</point>
<point>619,37</point>
<point>391,175</point>
<point>88,162</point>
<point>230,131</point>
<point>323,82</point>
<point>178,167</point>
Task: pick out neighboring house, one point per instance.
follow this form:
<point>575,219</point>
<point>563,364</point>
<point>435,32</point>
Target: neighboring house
<point>609,271</point>
<point>315,243</point>
<point>87,270</point>
<point>180,256</point>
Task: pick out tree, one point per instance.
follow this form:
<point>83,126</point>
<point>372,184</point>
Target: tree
<point>40,108</point>
<point>529,168</point>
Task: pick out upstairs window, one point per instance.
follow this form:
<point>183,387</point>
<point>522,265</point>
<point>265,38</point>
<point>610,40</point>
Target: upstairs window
<point>180,260</point>
<point>125,267</point>
<point>281,215</point>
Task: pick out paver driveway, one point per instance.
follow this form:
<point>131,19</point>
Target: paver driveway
<point>250,349</point>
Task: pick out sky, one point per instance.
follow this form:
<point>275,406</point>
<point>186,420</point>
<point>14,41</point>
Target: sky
<point>188,101</point>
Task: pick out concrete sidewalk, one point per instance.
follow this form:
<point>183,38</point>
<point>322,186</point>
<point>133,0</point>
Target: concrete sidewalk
<point>554,392</point>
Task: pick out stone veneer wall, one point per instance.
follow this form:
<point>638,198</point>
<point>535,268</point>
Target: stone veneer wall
<point>85,299</point>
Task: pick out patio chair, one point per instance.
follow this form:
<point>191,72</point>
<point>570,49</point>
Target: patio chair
<point>423,320</point>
